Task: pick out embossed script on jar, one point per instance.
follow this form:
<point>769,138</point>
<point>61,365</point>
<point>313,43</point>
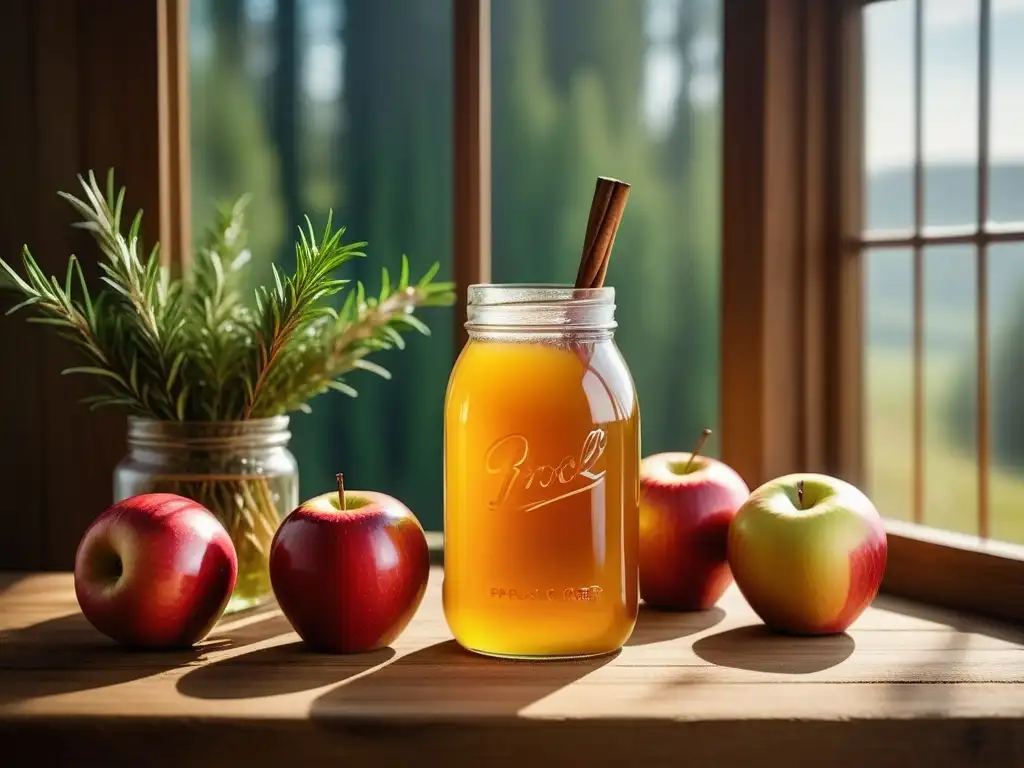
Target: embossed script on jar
<point>510,458</point>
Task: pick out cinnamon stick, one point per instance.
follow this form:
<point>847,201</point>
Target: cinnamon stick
<point>606,209</point>
<point>598,208</point>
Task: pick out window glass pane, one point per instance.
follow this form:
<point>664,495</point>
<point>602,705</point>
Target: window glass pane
<point>1006,124</point>
<point>584,88</point>
<point>1006,391</point>
<point>889,114</point>
<point>950,388</point>
<point>950,124</point>
<point>889,380</point>
<point>344,104</point>
<point>950,374</point>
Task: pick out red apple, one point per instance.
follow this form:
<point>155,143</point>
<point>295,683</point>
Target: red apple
<point>687,502</point>
<point>808,552</point>
<point>155,571</point>
<point>349,570</point>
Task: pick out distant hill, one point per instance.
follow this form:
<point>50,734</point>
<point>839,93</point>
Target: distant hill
<point>951,195</point>
<point>950,199</point>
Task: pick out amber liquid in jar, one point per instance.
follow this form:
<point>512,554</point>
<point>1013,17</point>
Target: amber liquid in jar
<point>541,496</point>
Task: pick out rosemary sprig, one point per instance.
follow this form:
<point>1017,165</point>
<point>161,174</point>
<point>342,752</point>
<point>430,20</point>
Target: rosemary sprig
<point>339,345</point>
<point>219,320</point>
<point>78,322</point>
<point>294,304</point>
<point>192,348</point>
<point>146,320</point>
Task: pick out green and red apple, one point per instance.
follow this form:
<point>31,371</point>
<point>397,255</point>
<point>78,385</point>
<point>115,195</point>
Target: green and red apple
<point>687,503</point>
<point>349,569</point>
<point>808,552</point>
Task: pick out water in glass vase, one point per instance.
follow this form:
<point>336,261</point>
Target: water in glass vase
<point>250,507</point>
<point>241,471</point>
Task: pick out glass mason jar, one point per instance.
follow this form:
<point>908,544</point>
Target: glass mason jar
<point>542,461</point>
<point>242,471</point>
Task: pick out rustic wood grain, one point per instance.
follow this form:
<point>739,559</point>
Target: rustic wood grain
<point>907,685</point>
<point>471,170</point>
<point>790,191</point>
<point>955,570</point>
<point>763,161</point>
<point>174,128</point>
<point>86,85</point>
<point>21,358</point>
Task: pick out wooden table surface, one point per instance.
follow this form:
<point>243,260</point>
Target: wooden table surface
<point>908,685</point>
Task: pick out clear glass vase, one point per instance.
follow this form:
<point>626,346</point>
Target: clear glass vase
<point>242,471</point>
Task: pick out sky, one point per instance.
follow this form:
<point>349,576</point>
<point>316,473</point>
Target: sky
<point>950,104</point>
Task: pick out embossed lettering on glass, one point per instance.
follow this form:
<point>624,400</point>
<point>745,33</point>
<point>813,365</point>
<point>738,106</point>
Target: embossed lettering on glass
<point>542,453</point>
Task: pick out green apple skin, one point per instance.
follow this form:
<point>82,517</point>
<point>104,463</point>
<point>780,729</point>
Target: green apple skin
<point>810,567</point>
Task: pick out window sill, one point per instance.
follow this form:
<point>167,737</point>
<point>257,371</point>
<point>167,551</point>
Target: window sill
<point>907,685</point>
<point>955,571</point>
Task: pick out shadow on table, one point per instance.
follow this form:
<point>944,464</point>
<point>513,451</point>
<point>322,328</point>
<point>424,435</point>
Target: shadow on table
<point>947,617</point>
<point>923,682</point>
<point>444,678</point>
<point>286,668</point>
<point>67,654</point>
<point>656,626</point>
<point>9,580</point>
<point>758,649</point>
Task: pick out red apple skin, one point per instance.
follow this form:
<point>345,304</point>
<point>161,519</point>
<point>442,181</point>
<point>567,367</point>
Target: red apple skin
<point>155,571</point>
<point>684,528</point>
<point>811,572</point>
<point>867,567</point>
<point>351,581</point>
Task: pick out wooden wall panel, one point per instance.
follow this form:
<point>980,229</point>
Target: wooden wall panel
<point>21,513</point>
<point>783,279</point>
<point>82,79</point>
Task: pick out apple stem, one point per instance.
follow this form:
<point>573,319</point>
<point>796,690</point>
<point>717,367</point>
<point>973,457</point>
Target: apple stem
<point>800,493</point>
<point>697,448</point>
<point>341,490</point>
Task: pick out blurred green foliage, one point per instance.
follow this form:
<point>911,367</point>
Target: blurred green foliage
<point>346,104</point>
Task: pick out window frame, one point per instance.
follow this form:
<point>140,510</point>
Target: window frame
<point>807,246</point>
<point>943,567</point>
<point>981,234</point>
<point>792,97</point>
<point>471,171</point>
<point>791,273</point>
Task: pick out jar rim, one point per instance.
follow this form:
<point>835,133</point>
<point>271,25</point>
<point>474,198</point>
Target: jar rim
<point>505,294</point>
<point>539,308</point>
